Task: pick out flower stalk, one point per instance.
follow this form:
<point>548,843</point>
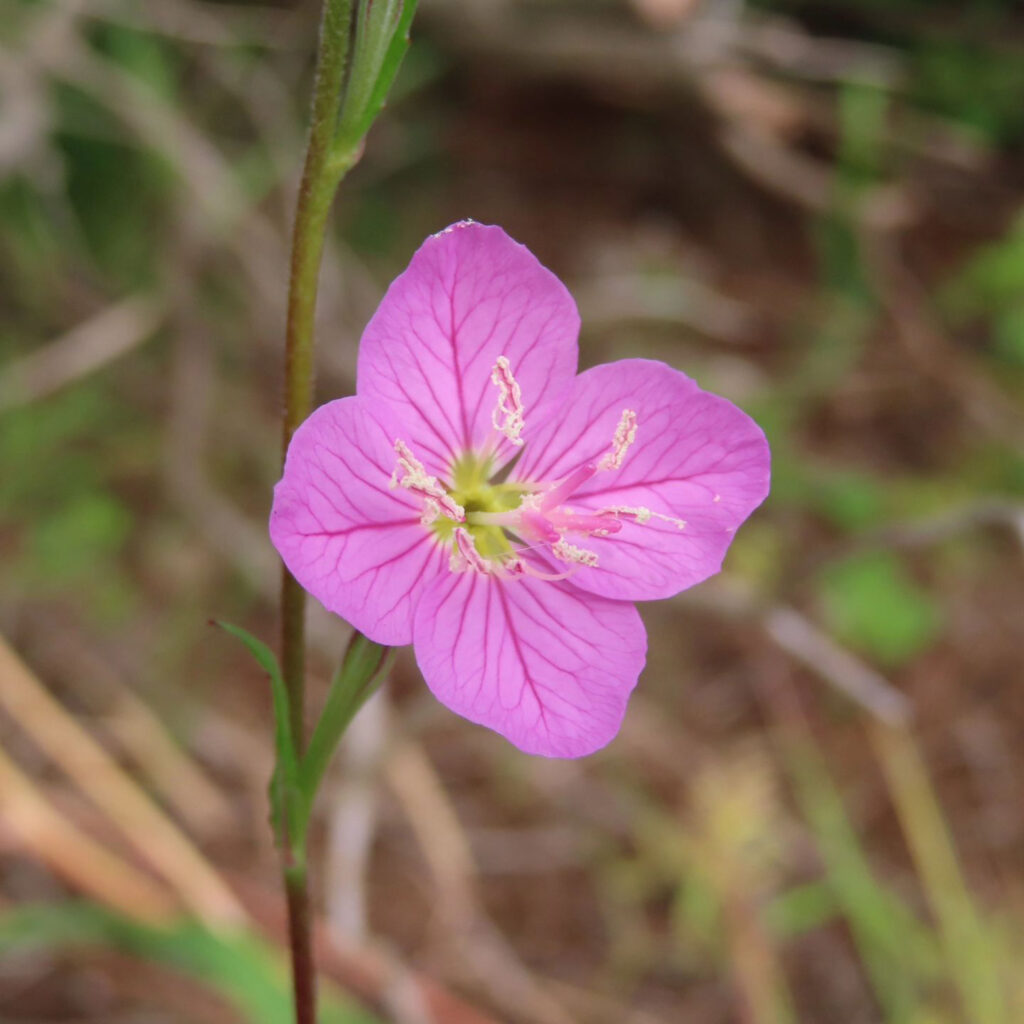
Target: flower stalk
<point>320,179</point>
<point>321,176</point>
<point>344,107</point>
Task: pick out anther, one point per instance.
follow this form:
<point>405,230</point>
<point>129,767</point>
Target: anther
<point>431,510</point>
<point>411,474</point>
<point>625,435</point>
<point>566,552</point>
<point>508,414</point>
<point>641,515</point>
<point>465,555</point>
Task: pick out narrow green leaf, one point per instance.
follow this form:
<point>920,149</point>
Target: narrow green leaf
<point>374,23</point>
<point>286,771</point>
<point>389,66</point>
<point>364,665</point>
<point>898,952</point>
<point>801,909</point>
<point>373,75</point>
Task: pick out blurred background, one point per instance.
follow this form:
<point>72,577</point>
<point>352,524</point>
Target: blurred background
<point>815,811</point>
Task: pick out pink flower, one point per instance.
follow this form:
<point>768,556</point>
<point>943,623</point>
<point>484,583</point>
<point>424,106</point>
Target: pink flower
<point>479,499</point>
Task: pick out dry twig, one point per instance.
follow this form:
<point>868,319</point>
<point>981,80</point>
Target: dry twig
<point>72,854</point>
<point>812,647</point>
<point>86,348</point>
<point>932,352</point>
<point>226,24</point>
<point>177,776</point>
<point>479,951</point>
<point>101,779</point>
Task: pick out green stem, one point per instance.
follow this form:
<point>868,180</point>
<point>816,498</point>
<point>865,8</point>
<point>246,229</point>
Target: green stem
<point>321,174</point>
<point>335,144</point>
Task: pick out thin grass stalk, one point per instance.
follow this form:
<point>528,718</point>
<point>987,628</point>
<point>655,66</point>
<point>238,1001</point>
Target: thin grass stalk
<point>969,948</point>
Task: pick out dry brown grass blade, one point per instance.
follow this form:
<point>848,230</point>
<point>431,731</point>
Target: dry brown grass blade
<point>170,770</point>
<point>223,24</point>
<point>442,839</point>
<point>91,345</point>
<point>101,779</point>
<point>216,199</point>
<point>74,856</point>
<point>481,953</point>
<point>794,633</point>
<point>144,738</point>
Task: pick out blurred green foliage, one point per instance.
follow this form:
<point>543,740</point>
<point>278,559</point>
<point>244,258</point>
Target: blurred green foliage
<point>241,968</point>
<point>990,287</point>
<point>872,603</point>
<point>688,890</point>
<point>960,65</point>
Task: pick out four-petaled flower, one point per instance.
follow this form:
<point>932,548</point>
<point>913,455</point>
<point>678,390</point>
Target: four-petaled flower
<point>478,499</point>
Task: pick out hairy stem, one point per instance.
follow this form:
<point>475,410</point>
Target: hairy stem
<point>321,174</point>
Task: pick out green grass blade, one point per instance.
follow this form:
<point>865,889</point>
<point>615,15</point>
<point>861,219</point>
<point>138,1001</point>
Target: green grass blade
<point>238,966</point>
<point>969,945</point>
<point>898,952</point>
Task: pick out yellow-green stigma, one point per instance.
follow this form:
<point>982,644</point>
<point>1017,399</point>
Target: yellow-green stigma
<point>472,489</point>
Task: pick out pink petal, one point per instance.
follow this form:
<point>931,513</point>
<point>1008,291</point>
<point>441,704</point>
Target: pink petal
<point>696,458</point>
<point>355,544</point>
<point>469,295</point>
<point>544,664</point>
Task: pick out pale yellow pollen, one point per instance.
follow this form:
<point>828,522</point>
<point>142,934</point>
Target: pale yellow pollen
<point>567,552</point>
<point>508,416</point>
<point>431,511</point>
<point>465,555</point>
<point>411,474</point>
<point>642,515</point>
<point>625,435</point>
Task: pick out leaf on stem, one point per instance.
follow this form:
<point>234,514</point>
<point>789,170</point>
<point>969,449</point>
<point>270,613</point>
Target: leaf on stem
<point>286,770</point>
<point>391,63</point>
<point>361,670</point>
<point>382,37</point>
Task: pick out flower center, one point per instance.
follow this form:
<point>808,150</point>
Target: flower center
<point>473,491</point>
<point>488,525</point>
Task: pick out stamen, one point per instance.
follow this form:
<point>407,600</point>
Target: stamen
<point>514,568</point>
<point>419,481</point>
<point>566,552</point>
<point>465,555</point>
<point>492,518</point>
<point>641,515</point>
<point>431,510</point>
<point>508,413</point>
<point>536,526</point>
<point>564,488</point>
<point>590,524</point>
<point>521,569</point>
<point>625,435</point>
